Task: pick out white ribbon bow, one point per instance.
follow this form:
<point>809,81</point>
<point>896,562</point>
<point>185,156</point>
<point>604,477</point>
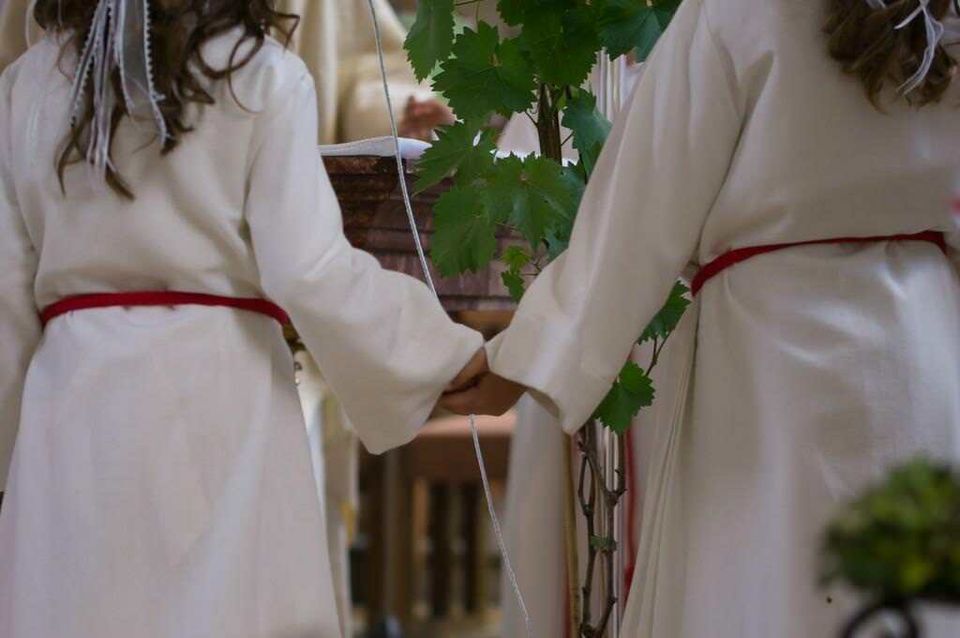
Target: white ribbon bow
<point>935,31</point>
<point>119,39</point>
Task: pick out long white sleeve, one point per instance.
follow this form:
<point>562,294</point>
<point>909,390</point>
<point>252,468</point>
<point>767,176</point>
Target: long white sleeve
<point>19,324</point>
<point>638,226</point>
<point>953,238</point>
<point>382,340</point>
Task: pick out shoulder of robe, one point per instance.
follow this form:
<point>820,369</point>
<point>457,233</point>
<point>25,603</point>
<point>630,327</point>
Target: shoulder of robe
<point>33,64</point>
<point>765,39</point>
<point>272,72</point>
<point>744,25</point>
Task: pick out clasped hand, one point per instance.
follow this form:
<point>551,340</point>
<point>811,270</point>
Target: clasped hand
<point>477,390</point>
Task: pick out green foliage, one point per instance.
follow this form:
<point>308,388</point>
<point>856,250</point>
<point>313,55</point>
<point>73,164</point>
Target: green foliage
<point>456,149</point>
<point>632,392</point>
<point>562,43</point>
<point>515,283</point>
<point>465,235</point>
<point>539,71</point>
<point>486,75</point>
<point>535,193</point>
<point>901,539</point>
<point>628,25</point>
<point>430,39</point>
<point>516,259</point>
<point>669,316</point>
<point>590,128</point>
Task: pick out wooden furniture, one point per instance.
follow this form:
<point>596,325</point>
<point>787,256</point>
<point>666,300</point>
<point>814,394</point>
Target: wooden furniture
<point>375,220</point>
<point>442,457</point>
<point>440,463</point>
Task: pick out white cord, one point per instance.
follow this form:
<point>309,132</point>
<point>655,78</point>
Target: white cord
<point>501,544</point>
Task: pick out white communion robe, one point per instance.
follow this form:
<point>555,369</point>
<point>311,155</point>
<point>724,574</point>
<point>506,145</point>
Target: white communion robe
<point>161,483</point>
<point>335,38</point>
<point>805,373</point>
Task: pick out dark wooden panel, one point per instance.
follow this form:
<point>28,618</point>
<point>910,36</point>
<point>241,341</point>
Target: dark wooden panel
<point>375,220</point>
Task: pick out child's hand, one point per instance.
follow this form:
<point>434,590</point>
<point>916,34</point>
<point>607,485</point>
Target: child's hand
<point>422,117</point>
<point>492,395</point>
<point>471,374</point>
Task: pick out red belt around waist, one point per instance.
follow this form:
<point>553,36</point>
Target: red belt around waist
<point>160,298</point>
<point>734,257</point>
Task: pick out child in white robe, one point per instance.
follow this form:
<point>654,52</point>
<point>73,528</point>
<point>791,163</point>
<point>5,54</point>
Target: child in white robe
<point>807,372</point>
<point>161,485</point>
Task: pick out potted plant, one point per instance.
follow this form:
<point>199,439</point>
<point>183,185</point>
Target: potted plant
<point>540,70</point>
<point>899,545</point>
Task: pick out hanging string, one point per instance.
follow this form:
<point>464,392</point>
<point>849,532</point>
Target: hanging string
<point>411,218</point>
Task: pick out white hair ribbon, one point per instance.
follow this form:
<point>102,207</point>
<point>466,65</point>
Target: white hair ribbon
<point>934,31</point>
<point>119,40</point>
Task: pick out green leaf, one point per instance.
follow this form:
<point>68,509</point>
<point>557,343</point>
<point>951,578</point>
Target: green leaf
<point>590,128</point>
<point>431,37</point>
<point>515,258</point>
<point>535,193</point>
<point>456,149</point>
<point>465,235</point>
<point>562,43</point>
<point>486,75</point>
<point>900,539</point>
<point>515,284</point>
<point>512,11</point>
<point>632,392</point>
<point>558,237</point>
<point>669,316</point>
<point>635,25</point>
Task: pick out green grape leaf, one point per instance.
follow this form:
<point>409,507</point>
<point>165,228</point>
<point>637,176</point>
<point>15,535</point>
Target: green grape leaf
<point>562,43</point>
<point>558,237</point>
<point>536,193</point>
<point>590,128</point>
<point>465,235</point>
<point>456,149</point>
<point>629,25</point>
<point>632,392</point>
<point>512,11</point>
<point>666,321</point>
<point>486,75</point>
<point>515,284</point>
<point>431,37</point>
<point>515,258</point>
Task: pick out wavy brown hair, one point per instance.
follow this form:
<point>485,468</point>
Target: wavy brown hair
<point>867,43</point>
<point>178,31</point>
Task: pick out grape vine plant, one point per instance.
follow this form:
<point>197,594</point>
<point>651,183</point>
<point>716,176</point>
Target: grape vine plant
<point>538,68</point>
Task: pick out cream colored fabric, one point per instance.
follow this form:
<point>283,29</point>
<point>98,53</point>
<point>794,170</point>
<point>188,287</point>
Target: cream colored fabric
<point>13,31</point>
<point>336,40</point>
<point>803,374</point>
<point>333,449</point>
<point>161,484</point>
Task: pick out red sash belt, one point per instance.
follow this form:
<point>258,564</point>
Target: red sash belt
<point>734,257</point>
<point>161,298</point>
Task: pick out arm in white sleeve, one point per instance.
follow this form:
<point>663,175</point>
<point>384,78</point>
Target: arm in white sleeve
<point>382,340</point>
<point>953,238</point>
<point>19,323</point>
<point>638,226</point>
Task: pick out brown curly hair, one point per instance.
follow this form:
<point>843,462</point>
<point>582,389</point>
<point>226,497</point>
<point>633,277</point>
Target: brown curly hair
<point>178,31</point>
<point>867,43</point>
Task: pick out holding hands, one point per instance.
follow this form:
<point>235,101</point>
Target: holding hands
<point>477,390</point>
